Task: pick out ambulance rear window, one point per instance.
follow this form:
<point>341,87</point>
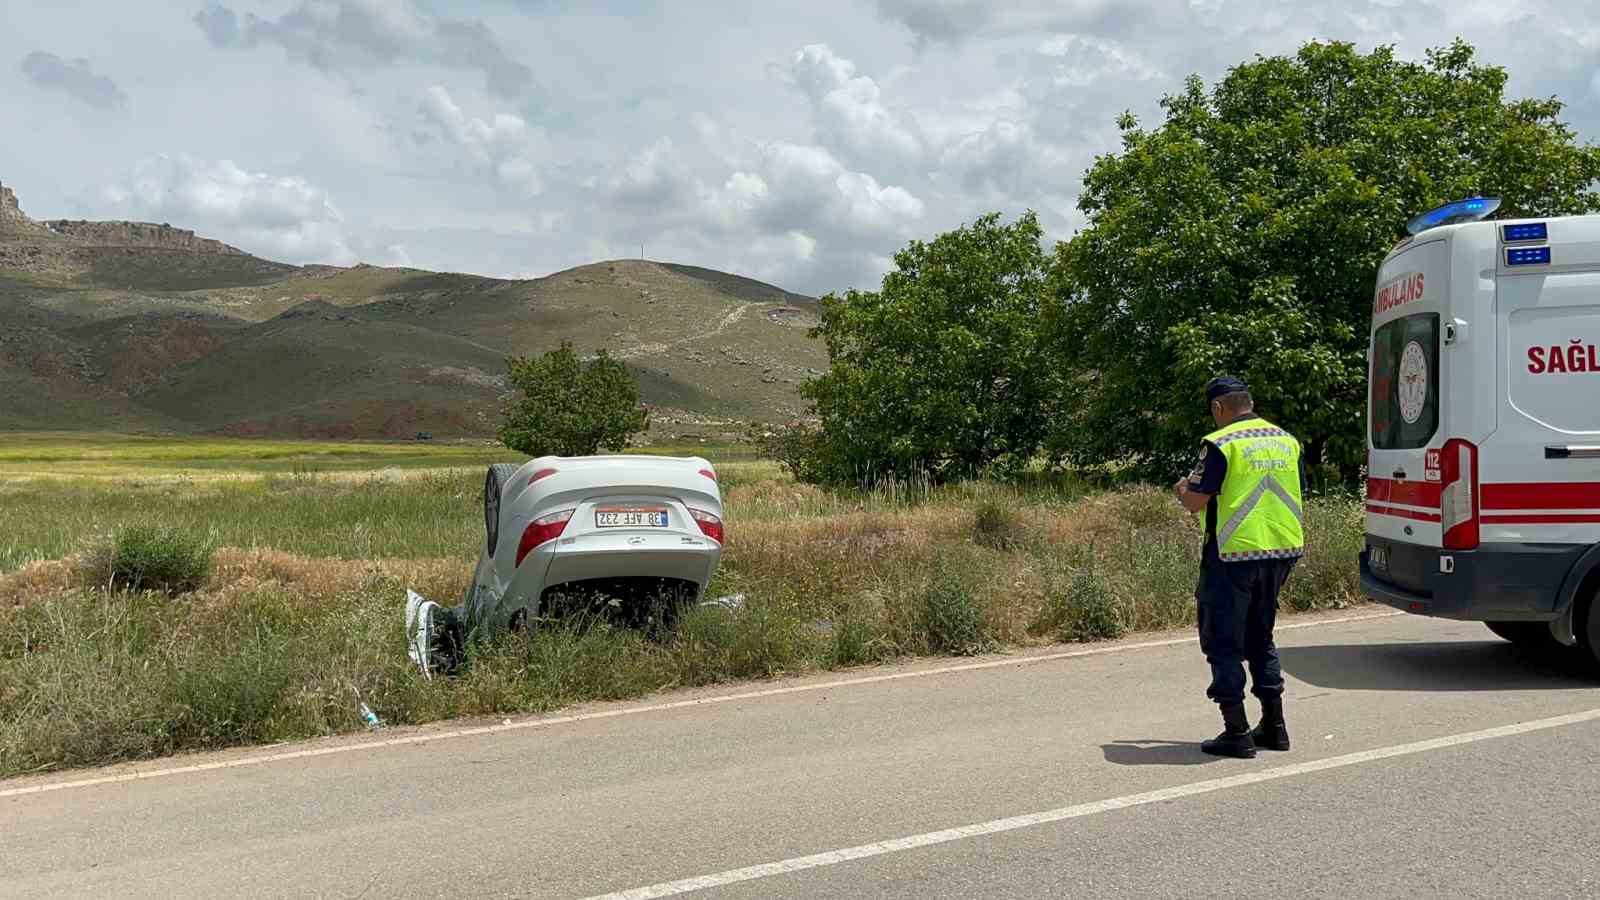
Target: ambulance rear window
<point>1405,383</point>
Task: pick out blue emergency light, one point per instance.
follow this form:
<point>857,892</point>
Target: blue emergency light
<point>1525,231</point>
<point>1471,209</point>
<point>1528,256</point>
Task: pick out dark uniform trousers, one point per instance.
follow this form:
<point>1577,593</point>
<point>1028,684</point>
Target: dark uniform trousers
<point>1237,608</point>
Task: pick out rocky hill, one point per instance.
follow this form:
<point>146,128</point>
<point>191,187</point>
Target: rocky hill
<point>9,209</point>
<point>139,326</point>
<point>137,234</point>
<point>12,220</point>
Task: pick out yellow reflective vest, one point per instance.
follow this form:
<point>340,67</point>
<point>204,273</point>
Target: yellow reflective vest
<point>1260,514</point>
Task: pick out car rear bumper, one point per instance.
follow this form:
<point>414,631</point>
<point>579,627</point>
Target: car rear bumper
<point>1494,583</point>
<point>632,555</point>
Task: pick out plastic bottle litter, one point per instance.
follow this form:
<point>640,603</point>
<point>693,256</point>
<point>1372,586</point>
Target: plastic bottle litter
<point>730,601</point>
<point>370,717</point>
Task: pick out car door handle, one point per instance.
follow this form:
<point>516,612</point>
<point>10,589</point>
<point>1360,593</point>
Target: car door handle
<point>1400,474</point>
<point>1568,451</point>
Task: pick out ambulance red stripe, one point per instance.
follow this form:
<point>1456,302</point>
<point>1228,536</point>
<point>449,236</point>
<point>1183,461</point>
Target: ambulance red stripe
<point>1410,493</point>
<point>1402,513</point>
<point>1542,495</point>
<point>1544,519</point>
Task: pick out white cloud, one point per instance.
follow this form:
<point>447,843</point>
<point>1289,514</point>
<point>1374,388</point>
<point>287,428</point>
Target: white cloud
<point>739,197</point>
<point>1081,61</point>
<point>502,145</point>
<point>807,189</point>
<point>850,111</point>
<point>874,206</point>
<point>277,216</point>
<point>652,179</point>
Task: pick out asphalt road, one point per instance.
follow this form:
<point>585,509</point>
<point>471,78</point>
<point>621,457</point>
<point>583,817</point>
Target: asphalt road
<point>1430,759</point>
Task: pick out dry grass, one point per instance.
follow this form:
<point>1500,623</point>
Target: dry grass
<point>40,580</point>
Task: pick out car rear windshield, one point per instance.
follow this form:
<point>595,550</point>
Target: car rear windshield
<point>1405,383</point>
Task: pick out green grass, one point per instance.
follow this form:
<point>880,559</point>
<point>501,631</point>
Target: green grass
<point>356,500</point>
<point>283,641</point>
<point>122,455</point>
<point>119,455</point>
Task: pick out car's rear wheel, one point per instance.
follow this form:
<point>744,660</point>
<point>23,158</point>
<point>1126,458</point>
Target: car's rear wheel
<point>494,485</point>
<point>1524,634</point>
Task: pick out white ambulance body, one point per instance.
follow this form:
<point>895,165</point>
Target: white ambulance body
<point>1483,427</point>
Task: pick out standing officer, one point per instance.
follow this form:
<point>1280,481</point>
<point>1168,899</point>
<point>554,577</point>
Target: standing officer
<point>1248,480</point>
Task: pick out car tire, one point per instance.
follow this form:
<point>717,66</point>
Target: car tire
<point>494,485</point>
<point>1524,634</point>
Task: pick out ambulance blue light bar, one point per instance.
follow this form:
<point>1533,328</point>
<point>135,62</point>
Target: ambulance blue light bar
<point>1526,231</point>
<point>1471,209</point>
<point>1528,256</point>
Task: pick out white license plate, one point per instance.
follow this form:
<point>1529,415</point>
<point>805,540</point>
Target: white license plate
<point>1378,559</point>
<point>630,518</point>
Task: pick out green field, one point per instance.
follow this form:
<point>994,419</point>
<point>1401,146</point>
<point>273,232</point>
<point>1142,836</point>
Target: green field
<point>60,454</point>
<point>360,500</point>
<point>311,547</point>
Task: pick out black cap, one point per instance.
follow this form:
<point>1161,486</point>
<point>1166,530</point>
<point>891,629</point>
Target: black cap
<point>1227,384</point>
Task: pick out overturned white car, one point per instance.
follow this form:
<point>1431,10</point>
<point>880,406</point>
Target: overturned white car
<point>638,535</point>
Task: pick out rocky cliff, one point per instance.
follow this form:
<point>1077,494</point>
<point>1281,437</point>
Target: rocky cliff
<point>131,255</point>
<point>10,213</point>
<point>137,234</point>
<point>108,234</point>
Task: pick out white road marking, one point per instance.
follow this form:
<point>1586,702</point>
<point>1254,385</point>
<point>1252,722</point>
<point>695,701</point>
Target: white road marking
<point>552,721</point>
<point>864,851</point>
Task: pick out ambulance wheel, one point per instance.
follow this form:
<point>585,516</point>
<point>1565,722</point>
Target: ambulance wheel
<point>494,484</point>
<point>1524,634</point>
<point>1589,636</point>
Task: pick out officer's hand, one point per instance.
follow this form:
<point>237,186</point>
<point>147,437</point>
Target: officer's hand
<point>1182,487</point>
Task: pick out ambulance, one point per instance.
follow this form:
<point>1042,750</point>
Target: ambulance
<point>1483,425</point>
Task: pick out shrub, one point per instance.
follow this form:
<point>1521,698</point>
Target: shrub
<point>1085,611</point>
<point>997,526</point>
<point>854,644</point>
<point>950,619</point>
<point>147,558</point>
<point>794,445</point>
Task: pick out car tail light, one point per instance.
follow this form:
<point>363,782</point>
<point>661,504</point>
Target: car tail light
<point>1458,507</point>
<point>542,473</point>
<point>542,531</point>
<point>709,474</point>
<point>710,525</point>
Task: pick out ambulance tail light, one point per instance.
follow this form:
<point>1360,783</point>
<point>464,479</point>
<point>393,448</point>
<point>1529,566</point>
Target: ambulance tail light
<point>1458,508</point>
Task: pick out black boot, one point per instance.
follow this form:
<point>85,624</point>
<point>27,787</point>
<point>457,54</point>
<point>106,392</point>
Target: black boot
<point>1235,737</point>
<point>1272,733</point>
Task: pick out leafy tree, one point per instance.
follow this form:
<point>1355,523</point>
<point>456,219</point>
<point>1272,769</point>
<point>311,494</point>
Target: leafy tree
<point>570,407</point>
<point>1244,234</point>
<point>936,374</point>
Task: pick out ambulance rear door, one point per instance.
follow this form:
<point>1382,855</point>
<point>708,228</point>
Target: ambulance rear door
<point>1405,409</point>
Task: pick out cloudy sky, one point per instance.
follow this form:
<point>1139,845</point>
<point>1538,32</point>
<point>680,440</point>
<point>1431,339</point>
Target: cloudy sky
<point>798,142</point>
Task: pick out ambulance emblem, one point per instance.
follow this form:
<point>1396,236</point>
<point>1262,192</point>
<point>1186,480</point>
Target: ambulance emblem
<point>1413,382</point>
